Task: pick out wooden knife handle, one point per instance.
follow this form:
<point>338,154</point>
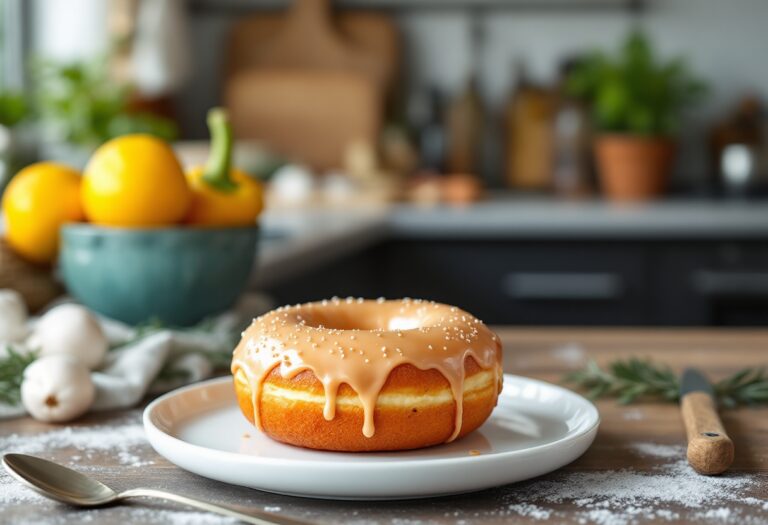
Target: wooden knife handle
<point>710,450</point>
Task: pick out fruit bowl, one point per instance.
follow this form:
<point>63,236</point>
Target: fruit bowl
<point>178,275</point>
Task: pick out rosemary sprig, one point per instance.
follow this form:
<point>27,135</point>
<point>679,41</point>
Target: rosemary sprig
<point>747,387</point>
<point>12,366</point>
<point>631,379</point>
<point>626,380</point>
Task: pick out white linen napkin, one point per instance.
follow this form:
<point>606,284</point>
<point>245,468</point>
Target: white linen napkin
<point>152,360</point>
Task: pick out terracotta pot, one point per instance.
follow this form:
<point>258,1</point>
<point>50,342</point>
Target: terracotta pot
<point>634,168</point>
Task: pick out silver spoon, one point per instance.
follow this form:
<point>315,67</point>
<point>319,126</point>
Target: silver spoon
<point>69,486</point>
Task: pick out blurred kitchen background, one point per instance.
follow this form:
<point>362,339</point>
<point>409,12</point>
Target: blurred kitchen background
<point>536,162</point>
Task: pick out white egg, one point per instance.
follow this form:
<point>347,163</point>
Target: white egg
<point>57,388</point>
<point>13,316</point>
<point>71,329</point>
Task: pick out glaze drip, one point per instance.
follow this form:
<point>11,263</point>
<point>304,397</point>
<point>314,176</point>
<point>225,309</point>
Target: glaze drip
<point>359,342</point>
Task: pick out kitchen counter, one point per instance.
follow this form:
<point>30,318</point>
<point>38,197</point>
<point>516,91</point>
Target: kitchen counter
<point>295,242</point>
<point>635,472</point>
<point>511,217</point>
<point>299,240</point>
<point>507,218</point>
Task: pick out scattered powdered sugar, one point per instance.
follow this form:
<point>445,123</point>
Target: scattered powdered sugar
<point>120,440</point>
<point>131,514</point>
<point>762,503</point>
<point>633,414</point>
<point>123,440</point>
<point>177,517</point>
<point>531,511</point>
<point>658,451</point>
<point>13,493</point>
<point>668,491</point>
<point>719,514</point>
<point>624,497</point>
<point>571,354</point>
<point>673,483</point>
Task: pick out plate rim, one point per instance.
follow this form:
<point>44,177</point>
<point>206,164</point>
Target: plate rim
<point>150,428</point>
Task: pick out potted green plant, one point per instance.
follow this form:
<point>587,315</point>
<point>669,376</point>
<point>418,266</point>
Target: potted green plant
<point>637,101</point>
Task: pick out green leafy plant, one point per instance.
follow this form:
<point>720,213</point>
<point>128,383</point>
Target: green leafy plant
<point>85,107</point>
<point>12,366</point>
<point>635,92</point>
<point>13,108</point>
<point>631,379</point>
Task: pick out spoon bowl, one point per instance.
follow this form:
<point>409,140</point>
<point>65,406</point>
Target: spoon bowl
<point>75,488</point>
<point>57,481</point>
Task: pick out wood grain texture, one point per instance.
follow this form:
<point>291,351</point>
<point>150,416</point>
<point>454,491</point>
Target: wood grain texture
<point>541,353</point>
<point>710,450</point>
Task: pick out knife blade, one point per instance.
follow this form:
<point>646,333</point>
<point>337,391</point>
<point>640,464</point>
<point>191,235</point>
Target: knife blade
<point>710,450</point>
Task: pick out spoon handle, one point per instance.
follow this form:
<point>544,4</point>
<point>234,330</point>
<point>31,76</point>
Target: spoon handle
<point>259,518</point>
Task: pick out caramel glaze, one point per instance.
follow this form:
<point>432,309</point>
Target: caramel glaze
<point>359,342</point>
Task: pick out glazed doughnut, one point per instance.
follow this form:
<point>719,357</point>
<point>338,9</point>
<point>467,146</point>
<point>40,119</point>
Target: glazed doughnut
<point>362,375</point>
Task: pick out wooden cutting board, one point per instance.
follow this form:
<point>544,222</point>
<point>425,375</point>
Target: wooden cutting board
<point>311,36</point>
<point>309,116</point>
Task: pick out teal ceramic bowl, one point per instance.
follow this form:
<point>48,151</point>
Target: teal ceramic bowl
<point>177,275</point>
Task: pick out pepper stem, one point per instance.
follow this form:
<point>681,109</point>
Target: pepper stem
<point>216,172</point>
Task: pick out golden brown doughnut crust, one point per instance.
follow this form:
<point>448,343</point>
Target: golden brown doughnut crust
<point>397,427</point>
<point>357,375</point>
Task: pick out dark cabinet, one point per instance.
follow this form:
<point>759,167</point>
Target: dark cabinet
<point>715,284</point>
<point>592,282</point>
<point>527,282</point>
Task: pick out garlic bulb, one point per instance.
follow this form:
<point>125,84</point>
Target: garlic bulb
<point>13,316</point>
<point>57,388</point>
<point>72,330</point>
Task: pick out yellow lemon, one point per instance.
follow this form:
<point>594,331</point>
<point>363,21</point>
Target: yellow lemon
<point>135,180</point>
<point>38,200</point>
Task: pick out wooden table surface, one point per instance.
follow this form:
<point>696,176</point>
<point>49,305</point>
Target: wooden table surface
<point>638,450</point>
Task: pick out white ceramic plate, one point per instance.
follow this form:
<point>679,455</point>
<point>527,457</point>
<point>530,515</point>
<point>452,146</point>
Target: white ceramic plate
<point>536,428</point>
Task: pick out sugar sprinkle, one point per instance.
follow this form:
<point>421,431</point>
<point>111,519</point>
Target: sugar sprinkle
<point>120,440</point>
<point>625,497</point>
<point>668,492</point>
